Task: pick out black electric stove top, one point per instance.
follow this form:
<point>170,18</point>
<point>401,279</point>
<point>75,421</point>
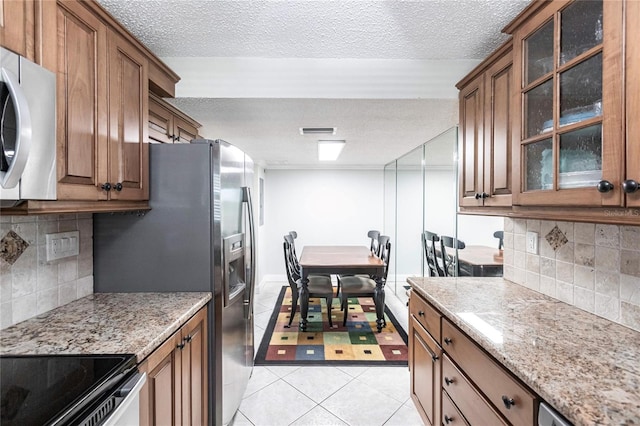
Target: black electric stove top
<point>52,390</point>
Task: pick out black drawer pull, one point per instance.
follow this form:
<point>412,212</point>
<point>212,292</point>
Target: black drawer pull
<point>421,313</point>
<point>449,381</point>
<point>434,358</point>
<point>447,341</point>
<point>447,419</point>
<point>508,402</point>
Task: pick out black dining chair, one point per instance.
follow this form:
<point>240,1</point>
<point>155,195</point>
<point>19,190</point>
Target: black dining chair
<point>374,247</point>
<point>318,285</point>
<point>500,236</point>
<point>363,286</point>
<point>450,262</point>
<point>429,240</point>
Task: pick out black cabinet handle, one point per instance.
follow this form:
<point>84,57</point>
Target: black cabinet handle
<point>604,186</point>
<point>434,358</point>
<point>117,187</point>
<point>421,313</point>
<point>180,346</point>
<point>478,196</point>
<point>508,402</point>
<point>188,338</point>
<point>106,187</point>
<point>447,341</point>
<point>447,419</point>
<point>630,186</point>
<point>448,381</point>
<point>483,195</point>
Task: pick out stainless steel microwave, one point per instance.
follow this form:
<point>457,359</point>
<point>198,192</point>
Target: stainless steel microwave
<point>27,130</point>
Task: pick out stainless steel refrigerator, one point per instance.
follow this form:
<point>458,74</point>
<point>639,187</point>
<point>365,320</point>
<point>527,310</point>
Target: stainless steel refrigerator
<point>198,236</point>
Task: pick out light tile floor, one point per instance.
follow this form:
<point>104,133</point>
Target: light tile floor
<point>326,396</point>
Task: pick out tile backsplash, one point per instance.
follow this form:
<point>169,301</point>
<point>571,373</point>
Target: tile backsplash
<point>29,285</point>
<point>594,267</point>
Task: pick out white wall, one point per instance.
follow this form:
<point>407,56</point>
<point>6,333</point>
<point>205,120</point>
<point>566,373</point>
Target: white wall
<point>323,206</point>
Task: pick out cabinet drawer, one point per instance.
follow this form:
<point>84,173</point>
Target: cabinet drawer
<point>471,403</point>
<point>502,390</point>
<point>425,315</point>
<point>450,414</point>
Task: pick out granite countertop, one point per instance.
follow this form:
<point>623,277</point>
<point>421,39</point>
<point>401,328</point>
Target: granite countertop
<point>585,366</point>
<point>104,323</point>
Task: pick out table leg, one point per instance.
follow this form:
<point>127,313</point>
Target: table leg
<point>304,302</point>
<point>378,299</point>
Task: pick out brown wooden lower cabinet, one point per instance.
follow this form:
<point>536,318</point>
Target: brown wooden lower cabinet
<point>450,414</point>
<point>176,388</point>
<point>455,382</point>
<point>424,358</point>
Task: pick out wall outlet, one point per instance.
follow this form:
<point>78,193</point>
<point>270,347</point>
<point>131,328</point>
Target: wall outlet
<point>62,244</point>
<point>532,242</point>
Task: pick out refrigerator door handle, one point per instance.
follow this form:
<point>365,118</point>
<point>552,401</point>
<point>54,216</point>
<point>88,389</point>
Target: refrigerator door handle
<point>251,278</point>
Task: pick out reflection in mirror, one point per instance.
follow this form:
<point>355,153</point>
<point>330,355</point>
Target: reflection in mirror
<point>420,192</point>
<point>481,256</point>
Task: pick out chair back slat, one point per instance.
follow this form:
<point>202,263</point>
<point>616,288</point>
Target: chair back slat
<point>374,245</point>
<point>429,240</point>
<point>450,262</point>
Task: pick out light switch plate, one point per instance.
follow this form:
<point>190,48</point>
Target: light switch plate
<point>62,244</point>
<point>532,242</point>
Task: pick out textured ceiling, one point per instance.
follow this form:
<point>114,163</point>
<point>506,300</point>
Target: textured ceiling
<point>377,131</point>
<point>434,29</point>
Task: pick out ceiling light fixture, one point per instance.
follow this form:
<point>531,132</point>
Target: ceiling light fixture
<point>329,150</point>
<point>318,130</point>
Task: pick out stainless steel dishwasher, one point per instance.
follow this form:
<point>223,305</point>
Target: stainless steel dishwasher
<point>547,416</point>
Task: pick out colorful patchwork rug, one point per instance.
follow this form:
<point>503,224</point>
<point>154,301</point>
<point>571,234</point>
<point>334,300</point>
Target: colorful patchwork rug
<point>357,343</point>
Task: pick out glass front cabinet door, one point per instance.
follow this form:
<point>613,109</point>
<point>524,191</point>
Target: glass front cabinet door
<point>568,138</point>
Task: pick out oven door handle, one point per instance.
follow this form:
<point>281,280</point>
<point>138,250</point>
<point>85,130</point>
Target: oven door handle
<point>11,177</point>
<point>128,411</point>
<point>133,385</point>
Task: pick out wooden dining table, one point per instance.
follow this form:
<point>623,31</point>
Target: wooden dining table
<point>341,260</point>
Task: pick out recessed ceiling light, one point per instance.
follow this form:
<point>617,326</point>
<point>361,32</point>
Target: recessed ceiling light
<point>317,130</point>
<point>330,150</point>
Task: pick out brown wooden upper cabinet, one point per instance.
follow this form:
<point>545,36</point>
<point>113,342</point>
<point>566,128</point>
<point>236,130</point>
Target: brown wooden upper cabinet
<point>485,132</point>
<point>569,142</point>
<point>167,124</point>
<point>17,27</point>
<point>102,110</point>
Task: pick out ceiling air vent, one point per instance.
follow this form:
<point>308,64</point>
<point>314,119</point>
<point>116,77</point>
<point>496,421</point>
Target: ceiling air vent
<point>318,130</point>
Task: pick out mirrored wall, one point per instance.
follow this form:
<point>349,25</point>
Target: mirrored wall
<point>421,194</point>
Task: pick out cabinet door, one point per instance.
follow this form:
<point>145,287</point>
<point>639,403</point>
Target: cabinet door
<point>632,48</point>
<point>160,123</point>
<point>425,373</point>
<point>184,132</point>
<point>497,180</point>
<point>128,119</point>
<point>17,26</point>
<point>471,142</point>
<point>568,129</point>
<point>160,402</point>
<point>81,104</point>
<point>194,370</point>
